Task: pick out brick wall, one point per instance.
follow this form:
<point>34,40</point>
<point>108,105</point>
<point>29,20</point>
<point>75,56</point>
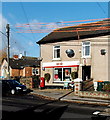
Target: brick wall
<point>27,81</point>
<point>21,72</point>
<point>15,72</point>
<point>28,71</point>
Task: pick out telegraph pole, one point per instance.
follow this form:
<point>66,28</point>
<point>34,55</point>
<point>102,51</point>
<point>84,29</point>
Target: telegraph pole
<point>8,51</point>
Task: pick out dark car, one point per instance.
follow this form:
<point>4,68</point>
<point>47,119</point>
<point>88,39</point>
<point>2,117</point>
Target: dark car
<point>13,87</point>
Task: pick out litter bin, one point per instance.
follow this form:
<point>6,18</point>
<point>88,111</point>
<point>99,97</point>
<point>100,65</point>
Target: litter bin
<point>106,82</point>
<point>42,82</point>
<point>101,84</point>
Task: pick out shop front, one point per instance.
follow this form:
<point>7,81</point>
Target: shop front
<point>61,71</point>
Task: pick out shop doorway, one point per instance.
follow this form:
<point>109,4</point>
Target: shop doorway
<point>86,72</point>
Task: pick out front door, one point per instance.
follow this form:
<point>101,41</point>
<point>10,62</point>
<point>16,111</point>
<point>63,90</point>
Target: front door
<point>86,72</point>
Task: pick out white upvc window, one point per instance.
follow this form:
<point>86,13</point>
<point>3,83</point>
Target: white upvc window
<point>56,52</point>
<point>86,49</point>
<point>35,71</point>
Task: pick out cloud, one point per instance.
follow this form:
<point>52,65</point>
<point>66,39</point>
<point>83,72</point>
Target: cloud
<point>3,22</point>
<point>38,27</point>
<point>31,43</point>
<point>14,50</point>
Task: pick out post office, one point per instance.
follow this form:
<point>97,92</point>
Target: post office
<point>82,49</point>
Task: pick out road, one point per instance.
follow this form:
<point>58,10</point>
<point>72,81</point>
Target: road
<point>33,107</point>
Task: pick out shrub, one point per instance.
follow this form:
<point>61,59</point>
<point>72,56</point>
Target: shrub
<point>47,77</point>
<point>74,75</point>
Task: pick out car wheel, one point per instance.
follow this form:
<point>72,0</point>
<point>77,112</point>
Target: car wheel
<point>12,91</point>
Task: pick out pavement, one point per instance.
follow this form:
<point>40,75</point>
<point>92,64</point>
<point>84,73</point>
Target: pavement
<point>69,96</point>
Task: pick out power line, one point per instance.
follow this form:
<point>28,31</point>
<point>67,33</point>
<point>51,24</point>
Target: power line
<point>47,24</point>
<point>26,17</point>
<point>20,34</point>
<point>101,8</point>
<point>3,33</point>
<point>18,40</point>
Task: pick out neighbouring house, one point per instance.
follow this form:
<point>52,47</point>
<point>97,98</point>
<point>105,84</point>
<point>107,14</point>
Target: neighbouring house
<point>77,51</point>
<point>21,67</point>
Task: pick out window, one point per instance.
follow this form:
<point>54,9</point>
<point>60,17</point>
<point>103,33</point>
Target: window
<point>86,49</point>
<point>58,74</point>
<point>62,74</point>
<point>56,52</point>
<point>35,71</point>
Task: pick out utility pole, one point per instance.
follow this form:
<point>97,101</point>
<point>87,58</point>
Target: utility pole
<point>8,51</point>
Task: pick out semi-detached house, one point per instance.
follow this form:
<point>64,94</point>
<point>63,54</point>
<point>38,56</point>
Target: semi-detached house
<point>89,45</point>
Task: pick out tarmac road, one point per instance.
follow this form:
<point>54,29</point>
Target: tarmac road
<point>32,107</point>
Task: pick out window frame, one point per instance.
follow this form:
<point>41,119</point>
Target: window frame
<point>63,77</point>
<point>84,49</point>
<point>56,58</point>
<point>35,71</point>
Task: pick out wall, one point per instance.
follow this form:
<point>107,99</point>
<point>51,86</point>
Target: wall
<point>99,62</point>
<point>15,72</point>
<point>4,69</point>
<point>94,94</point>
<point>28,71</point>
<point>27,81</point>
<point>47,54</point>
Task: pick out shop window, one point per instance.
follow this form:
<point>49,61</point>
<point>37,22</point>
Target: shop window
<point>86,49</point>
<point>66,73</point>
<point>62,74</point>
<point>58,74</point>
<point>56,52</point>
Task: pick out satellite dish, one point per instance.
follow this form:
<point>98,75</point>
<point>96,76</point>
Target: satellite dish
<point>70,53</point>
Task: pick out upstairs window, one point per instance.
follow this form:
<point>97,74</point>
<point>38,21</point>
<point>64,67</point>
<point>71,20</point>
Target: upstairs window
<point>86,49</point>
<point>56,52</point>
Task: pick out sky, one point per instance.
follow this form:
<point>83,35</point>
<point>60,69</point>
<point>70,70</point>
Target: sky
<point>44,17</point>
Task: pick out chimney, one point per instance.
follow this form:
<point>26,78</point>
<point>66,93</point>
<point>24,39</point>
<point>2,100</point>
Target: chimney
<point>20,55</point>
<point>15,56</point>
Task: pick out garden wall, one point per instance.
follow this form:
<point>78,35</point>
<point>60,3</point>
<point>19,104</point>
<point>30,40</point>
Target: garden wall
<point>30,82</point>
<point>95,94</point>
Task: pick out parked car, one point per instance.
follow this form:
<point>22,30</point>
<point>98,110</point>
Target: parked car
<point>13,87</point>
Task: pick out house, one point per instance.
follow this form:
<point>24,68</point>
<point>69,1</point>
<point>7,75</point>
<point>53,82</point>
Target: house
<point>20,67</point>
<point>82,49</point>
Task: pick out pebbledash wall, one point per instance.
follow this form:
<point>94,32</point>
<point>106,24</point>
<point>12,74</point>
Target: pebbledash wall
<point>98,63</point>
<point>95,94</point>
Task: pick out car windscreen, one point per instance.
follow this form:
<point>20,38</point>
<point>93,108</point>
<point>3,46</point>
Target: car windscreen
<point>14,82</point>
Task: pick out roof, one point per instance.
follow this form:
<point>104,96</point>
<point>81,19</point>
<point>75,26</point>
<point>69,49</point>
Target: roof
<point>21,63</point>
<point>81,31</point>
